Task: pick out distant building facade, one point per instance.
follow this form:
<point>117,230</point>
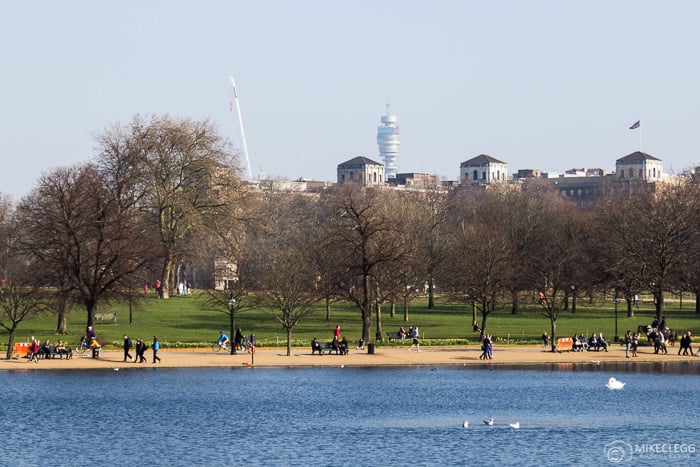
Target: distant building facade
<point>483,170</point>
<point>639,166</point>
<point>416,180</point>
<point>362,171</point>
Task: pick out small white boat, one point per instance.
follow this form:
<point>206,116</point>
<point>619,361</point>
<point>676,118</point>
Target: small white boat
<point>614,384</point>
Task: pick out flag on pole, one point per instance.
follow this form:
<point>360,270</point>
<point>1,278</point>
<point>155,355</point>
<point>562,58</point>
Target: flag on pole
<point>635,125</point>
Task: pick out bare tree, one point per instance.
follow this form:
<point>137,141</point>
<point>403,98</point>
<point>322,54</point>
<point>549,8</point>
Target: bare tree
<point>656,230</point>
<point>87,239</point>
<point>555,265</point>
<point>289,291</point>
<point>361,236</point>
<point>185,173</point>
<point>521,215</point>
<point>427,224</point>
<point>287,279</point>
<point>21,294</point>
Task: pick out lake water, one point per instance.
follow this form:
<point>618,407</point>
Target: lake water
<point>352,416</point>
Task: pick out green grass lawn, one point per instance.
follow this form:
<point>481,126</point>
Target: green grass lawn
<point>183,322</point>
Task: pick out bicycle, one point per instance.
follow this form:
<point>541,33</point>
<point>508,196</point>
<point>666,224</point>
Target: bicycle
<point>218,346</point>
<point>82,347</point>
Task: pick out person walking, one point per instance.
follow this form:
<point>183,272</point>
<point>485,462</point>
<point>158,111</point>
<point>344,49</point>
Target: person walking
<point>239,339</point>
<point>628,343</point>
<point>127,348</point>
<point>156,348</point>
<point>415,336</point>
<point>140,350</point>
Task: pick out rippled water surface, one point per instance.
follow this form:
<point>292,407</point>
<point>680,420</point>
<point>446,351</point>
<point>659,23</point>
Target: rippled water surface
<point>351,416</point>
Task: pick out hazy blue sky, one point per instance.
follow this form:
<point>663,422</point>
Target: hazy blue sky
<point>549,84</point>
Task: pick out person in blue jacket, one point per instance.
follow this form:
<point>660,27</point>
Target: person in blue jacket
<point>156,347</point>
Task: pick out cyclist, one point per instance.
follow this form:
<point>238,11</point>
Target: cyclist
<point>223,339</point>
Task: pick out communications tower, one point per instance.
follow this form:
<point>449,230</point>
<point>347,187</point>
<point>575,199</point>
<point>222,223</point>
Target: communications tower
<point>388,139</point>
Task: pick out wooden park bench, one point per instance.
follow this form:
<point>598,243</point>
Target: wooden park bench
<point>394,336</point>
<point>327,347</point>
<point>106,318</point>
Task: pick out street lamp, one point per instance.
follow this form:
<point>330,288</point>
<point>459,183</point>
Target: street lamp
<point>232,312</point>
<point>616,338</point>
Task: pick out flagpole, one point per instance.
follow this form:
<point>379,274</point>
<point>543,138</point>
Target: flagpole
<point>640,138</point>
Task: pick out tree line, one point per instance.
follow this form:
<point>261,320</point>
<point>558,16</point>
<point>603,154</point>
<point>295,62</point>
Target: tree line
<point>162,199</point>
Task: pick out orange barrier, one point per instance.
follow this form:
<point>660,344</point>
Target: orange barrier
<point>565,344</point>
<point>21,349</point>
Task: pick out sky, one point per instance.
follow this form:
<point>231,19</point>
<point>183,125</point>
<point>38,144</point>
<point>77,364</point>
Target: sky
<point>544,84</point>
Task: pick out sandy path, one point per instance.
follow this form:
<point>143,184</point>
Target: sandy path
<point>512,355</point>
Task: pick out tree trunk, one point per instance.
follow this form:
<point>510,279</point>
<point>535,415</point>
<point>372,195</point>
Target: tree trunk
<point>11,343</point>
<point>553,336</point>
<point>232,330</point>
<point>289,342</point>
<point>392,309</point>
<point>659,303</point>
<point>91,310</point>
<point>378,317</point>
<point>61,314</point>
<point>573,301</point>
<point>328,309</point>
<point>484,314</point>
<point>366,309</point>
<point>515,309</point>
<point>167,279</point>
<point>431,293</point>
<point>697,303</point>
<point>630,308</point>
<point>405,310</point>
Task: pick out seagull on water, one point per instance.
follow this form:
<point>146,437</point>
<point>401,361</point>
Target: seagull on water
<point>465,424</point>
<point>515,425</point>
<point>489,422</point>
<point>614,384</point>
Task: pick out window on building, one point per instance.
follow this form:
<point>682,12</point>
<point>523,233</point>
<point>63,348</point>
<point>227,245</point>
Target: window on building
<point>476,175</point>
<point>483,175</point>
<point>622,173</point>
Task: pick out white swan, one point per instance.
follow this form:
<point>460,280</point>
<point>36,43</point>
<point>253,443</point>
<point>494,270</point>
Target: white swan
<point>489,422</point>
<point>614,384</point>
<point>515,425</point>
<point>465,424</point>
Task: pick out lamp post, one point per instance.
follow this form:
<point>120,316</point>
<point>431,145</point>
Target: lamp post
<point>616,338</point>
<point>232,313</point>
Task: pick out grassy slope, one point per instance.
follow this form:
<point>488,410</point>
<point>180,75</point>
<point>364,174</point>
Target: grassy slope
<point>181,322</point>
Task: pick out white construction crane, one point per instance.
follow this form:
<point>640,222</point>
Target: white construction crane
<point>240,123</point>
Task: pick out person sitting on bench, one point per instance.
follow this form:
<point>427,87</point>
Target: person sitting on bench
<point>343,346</point>
<point>316,347</point>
